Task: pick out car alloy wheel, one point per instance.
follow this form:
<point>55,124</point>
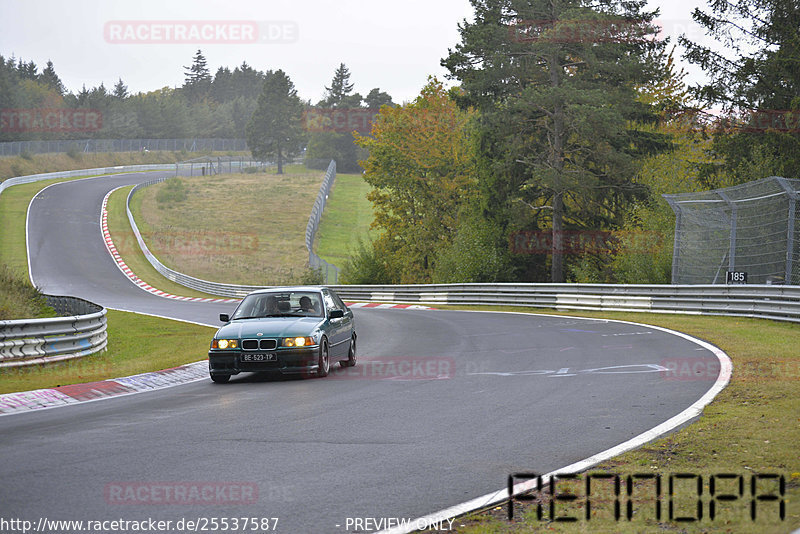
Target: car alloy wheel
<point>324,359</point>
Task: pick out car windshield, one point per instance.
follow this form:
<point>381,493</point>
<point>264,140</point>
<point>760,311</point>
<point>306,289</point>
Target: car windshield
<point>280,304</point>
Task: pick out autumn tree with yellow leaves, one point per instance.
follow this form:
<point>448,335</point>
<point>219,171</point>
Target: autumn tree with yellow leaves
<point>421,168</point>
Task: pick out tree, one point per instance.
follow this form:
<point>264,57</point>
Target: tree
<point>275,129</point>
<point>323,145</point>
<point>757,81</point>
<point>83,96</point>
<point>420,166</point>
<point>377,98</point>
<point>555,83</point>
<point>338,94</point>
<point>27,71</point>
<point>51,79</point>
<point>120,90</point>
<point>197,80</point>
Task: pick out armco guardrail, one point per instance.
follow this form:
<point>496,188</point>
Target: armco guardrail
<point>212,288</point>
<point>19,180</point>
<point>238,291</point>
<point>37,341</point>
<point>761,301</point>
<point>14,148</point>
<point>330,272</point>
<point>178,168</point>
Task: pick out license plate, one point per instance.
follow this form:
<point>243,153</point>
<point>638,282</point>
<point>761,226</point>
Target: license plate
<point>269,357</point>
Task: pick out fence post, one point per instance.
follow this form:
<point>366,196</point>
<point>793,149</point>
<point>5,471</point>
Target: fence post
<point>793,198</point>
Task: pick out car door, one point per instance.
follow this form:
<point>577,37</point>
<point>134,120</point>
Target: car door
<point>347,323</point>
<point>337,330</point>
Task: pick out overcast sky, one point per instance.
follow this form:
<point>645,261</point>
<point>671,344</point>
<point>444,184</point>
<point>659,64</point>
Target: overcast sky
<point>391,45</point>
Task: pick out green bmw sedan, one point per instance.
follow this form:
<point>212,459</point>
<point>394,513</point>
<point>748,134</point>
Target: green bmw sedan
<point>291,330</point>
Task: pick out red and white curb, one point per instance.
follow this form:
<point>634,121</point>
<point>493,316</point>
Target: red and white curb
<point>40,399</point>
<point>387,306</point>
<point>127,270</point>
<point>112,249</point>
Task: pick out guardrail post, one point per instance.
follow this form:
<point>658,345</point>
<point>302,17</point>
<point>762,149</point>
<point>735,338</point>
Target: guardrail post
<point>733,221</point>
<point>793,198</point>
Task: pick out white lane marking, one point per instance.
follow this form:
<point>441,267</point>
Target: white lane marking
<point>610,370</point>
<point>691,412</point>
<point>127,272</point>
<point>564,371</point>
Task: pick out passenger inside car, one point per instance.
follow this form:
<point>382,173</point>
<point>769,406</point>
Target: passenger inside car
<point>306,305</point>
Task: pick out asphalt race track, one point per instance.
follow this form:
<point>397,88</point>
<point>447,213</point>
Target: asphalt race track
<point>487,394</point>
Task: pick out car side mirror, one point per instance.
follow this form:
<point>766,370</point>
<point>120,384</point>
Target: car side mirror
<point>336,314</point>
<point>224,317</point>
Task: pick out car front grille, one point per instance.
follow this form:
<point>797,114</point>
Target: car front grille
<point>259,344</point>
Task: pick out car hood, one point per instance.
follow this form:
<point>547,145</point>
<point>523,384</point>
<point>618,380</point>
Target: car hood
<point>270,327</point>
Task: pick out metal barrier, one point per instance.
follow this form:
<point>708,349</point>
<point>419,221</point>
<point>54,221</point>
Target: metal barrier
<point>238,291</point>
<point>180,169</point>
<point>330,273</point>
<point>14,148</point>
<point>780,303</point>
<point>206,286</point>
<point>19,180</point>
<point>36,341</point>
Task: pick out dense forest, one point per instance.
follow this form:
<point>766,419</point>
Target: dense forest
<point>568,121</point>
<point>545,160</point>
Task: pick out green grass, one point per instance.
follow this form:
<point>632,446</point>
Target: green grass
<point>128,247</point>
<point>136,344</point>
<point>347,217</point>
<point>232,228</point>
<point>13,211</point>
<point>752,426</point>
<point>20,300</point>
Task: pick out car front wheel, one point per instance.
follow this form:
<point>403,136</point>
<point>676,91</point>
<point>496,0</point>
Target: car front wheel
<point>324,359</point>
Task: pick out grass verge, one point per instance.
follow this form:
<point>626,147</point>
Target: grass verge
<point>346,219</point>
<point>233,228</point>
<point>752,426</point>
<point>20,300</point>
<point>128,247</point>
<point>13,213</point>
<point>136,344</point>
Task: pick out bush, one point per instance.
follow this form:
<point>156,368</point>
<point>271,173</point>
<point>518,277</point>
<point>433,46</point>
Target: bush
<point>171,192</point>
<point>19,299</point>
<point>473,256</point>
<point>74,153</point>
<point>311,277</point>
<point>365,266</point>
<point>645,252</point>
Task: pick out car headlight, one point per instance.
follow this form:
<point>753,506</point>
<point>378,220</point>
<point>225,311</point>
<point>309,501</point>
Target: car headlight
<point>298,341</point>
<point>224,343</point>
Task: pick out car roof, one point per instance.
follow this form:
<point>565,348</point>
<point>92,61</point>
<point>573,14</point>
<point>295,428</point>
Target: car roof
<point>315,289</point>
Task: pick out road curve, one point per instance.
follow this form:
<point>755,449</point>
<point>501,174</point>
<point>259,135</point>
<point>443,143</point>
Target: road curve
<point>470,398</point>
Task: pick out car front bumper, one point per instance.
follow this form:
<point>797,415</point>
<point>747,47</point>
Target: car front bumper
<point>286,361</point>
